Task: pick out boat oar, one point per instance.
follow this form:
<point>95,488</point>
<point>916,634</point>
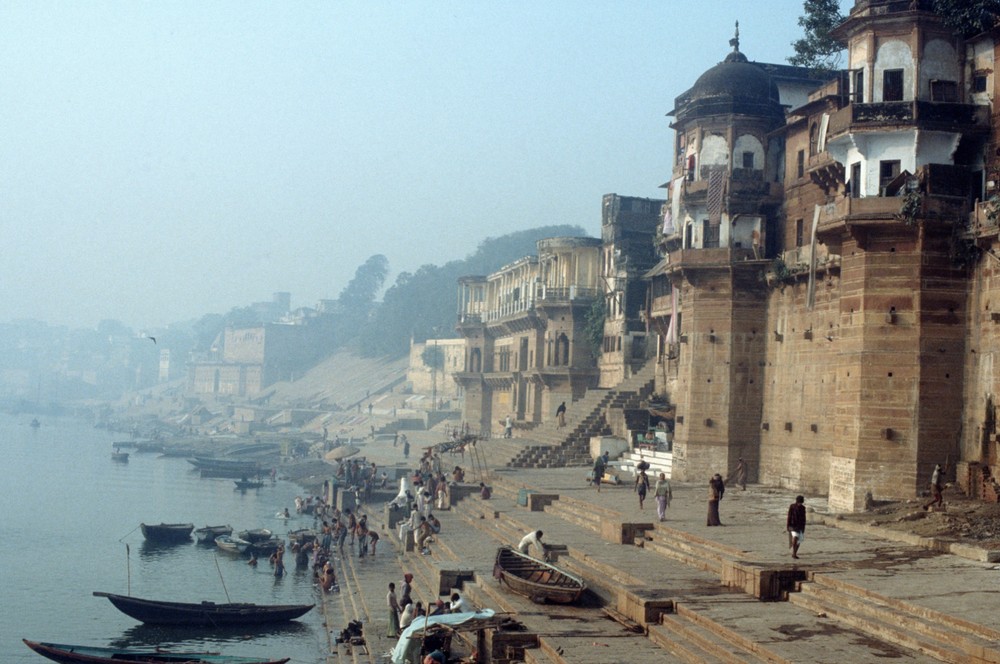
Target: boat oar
<point>222,579</point>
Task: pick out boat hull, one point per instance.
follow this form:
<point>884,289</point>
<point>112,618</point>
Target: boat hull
<point>71,654</point>
<point>536,579</point>
<point>208,534</point>
<point>167,532</point>
<point>205,614</point>
<point>255,535</point>
<point>232,544</point>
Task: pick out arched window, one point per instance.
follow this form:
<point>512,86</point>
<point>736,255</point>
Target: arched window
<point>562,350</point>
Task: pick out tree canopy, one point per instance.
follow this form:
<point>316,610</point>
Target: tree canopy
<point>817,49</point>
<point>968,17</point>
<point>422,304</point>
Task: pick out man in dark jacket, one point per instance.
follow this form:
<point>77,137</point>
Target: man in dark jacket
<point>796,524</point>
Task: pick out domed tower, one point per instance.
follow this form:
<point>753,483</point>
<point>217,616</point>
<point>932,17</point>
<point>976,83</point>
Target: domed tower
<point>725,195</point>
<point>724,169</point>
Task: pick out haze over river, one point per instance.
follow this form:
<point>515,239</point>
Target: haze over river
<point>69,511</point>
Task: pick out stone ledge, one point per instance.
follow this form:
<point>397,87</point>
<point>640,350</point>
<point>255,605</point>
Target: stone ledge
<point>941,544</point>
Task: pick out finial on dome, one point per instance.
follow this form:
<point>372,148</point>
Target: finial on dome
<point>735,41</point>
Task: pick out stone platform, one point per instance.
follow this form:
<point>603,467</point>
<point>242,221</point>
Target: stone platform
<point>679,591</point>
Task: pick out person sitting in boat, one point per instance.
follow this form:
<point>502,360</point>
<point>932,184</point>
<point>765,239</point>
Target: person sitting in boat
<point>532,539</point>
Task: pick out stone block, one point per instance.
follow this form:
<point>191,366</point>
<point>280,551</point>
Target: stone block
<point>766,584</point>
<point>507,647</point>
<point>615,447</point>
<point>622,532</point>
<point>640,609</point>
<point>538,501</point>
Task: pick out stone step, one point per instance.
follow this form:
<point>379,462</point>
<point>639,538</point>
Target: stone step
<point>930,615</point>
<point>785,634</point>
<point>903,628</point>
<point>692,643</point>
<point>735,619</point>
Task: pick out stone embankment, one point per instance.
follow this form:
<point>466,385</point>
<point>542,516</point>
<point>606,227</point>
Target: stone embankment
<point>679,591</point>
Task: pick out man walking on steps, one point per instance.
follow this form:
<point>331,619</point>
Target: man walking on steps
<point>796,524</point>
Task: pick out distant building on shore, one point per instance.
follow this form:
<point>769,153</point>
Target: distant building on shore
<point>436,379</point>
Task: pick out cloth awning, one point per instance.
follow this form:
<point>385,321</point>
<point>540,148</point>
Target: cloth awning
<point>412,636</point>
<point>658,269</point>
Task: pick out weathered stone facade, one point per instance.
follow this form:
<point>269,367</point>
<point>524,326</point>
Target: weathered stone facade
<point>253,358</point>
<point>628,225</point>
<point>823,305</point>
<point>438,382</point>
<point>524,329</point>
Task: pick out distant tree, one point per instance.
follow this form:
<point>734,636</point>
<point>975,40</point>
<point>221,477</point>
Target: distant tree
<point>421,302</point>
<point>206,329</point>
<point>357,302</point>
<point>241,317</point>
<point>113,328</point>
<point>433,357</point>
<point>593,330</point>
<point>817,49</point>
<point>968,17</point>
<point>360,293</point>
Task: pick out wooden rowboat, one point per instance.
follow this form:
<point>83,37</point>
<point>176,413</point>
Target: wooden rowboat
<point>208,534</point>
<point>232,544</point>
<point>203,614</point>
<point>68,654</point>
<point>536,579</point>
<point>255,534</point>
<point>167,532</point>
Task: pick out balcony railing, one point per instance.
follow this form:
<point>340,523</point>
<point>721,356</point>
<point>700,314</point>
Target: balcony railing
<point>542,297</point>
<point>920,113</point>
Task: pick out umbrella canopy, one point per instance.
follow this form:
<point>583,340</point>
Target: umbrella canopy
<point>342,452</point>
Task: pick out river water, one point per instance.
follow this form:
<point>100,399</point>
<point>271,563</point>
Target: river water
<point>70,526</point>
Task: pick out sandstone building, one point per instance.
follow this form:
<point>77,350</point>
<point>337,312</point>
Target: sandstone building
<point>823,304</point>
<point>526,345</point>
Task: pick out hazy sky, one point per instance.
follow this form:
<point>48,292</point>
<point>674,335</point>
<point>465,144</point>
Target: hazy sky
<point>163,160</point>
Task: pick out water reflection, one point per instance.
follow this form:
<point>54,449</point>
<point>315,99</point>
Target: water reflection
<point>152,550</point>
<point>166,635</point>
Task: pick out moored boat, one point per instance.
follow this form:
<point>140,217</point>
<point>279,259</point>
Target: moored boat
<point>118,455</point>
<point>232,544</point>
<point>208,534</point>
<point>208,614</point>
<point>73,654</point>
<point>302,535</point>
<point>243,484</point>
<point>167,532</point>
<point>149,446</point>
<point>267,546</point>
<point>234,468</point>
<point>255,534</point>
<point>536,579</point>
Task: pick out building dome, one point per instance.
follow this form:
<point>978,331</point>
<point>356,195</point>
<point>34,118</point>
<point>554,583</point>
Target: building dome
<point>734,86</point>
